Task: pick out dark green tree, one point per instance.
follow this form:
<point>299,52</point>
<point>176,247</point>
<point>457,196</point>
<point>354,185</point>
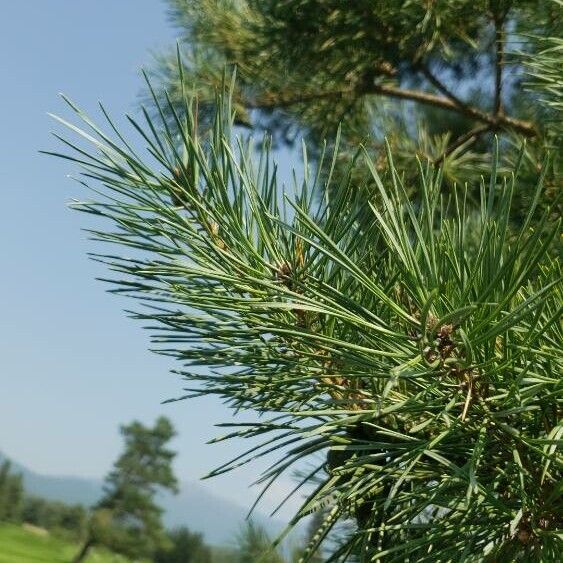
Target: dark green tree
<point>54,515</point>
<point>34,511</point>
<point>128,519</point>
<point>11,493</point>
<point>73,519</point>
<point>185,547</point>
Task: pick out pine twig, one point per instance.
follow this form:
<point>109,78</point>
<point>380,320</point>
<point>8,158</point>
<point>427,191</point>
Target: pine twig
<point>447,102</point>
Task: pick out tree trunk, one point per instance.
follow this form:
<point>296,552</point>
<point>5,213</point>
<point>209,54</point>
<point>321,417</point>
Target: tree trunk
<point>81,555</point>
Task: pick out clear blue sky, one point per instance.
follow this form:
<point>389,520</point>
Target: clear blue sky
<point>72,366</point>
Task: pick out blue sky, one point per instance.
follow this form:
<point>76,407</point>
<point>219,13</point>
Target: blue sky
<point>73,367</point>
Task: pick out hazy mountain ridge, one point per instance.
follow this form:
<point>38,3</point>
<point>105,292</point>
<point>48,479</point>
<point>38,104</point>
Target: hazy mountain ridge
<point>217,518</point>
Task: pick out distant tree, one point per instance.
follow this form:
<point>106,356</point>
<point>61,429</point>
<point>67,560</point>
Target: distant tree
<point>222,554</point>
<point>54,515</point>
<point>34,510</point>
<point>255,546</point>
<point>11,493</point>
<point>72,519</point>
<point>186,547</point>
<point>127,518</point>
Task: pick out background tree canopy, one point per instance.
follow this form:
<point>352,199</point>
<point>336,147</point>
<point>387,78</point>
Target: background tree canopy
<point>437,78</point>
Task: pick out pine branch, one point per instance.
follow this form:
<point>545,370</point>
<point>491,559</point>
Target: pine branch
<point>441,87</point>
<point>415,346</point>
<point>526,128</point>
<point>273,101</point>
<point>448,102</point>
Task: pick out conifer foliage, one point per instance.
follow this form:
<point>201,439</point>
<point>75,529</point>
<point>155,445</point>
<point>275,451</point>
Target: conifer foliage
<point>439,78</point>
<point>414,348</point>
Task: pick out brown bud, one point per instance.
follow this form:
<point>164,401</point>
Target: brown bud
<point>523,536</point>
<point>445,331</point>
<point>283,272</point>
<point>544,523</point>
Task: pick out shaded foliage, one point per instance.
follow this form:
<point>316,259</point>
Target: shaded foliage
<point>55,516</point>
<point>17,506</point>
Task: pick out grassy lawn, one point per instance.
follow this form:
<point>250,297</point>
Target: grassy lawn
<point>22,546</point>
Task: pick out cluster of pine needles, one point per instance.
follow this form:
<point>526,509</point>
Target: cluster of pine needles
<point>407,350</point>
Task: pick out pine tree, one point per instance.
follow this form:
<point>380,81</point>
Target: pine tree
<point>127,519</point>
<point>255,546</point>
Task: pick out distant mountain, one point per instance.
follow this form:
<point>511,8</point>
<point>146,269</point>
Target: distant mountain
<point>218,519</point>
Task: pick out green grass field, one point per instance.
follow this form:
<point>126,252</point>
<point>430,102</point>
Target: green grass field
<point>18,545</point>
